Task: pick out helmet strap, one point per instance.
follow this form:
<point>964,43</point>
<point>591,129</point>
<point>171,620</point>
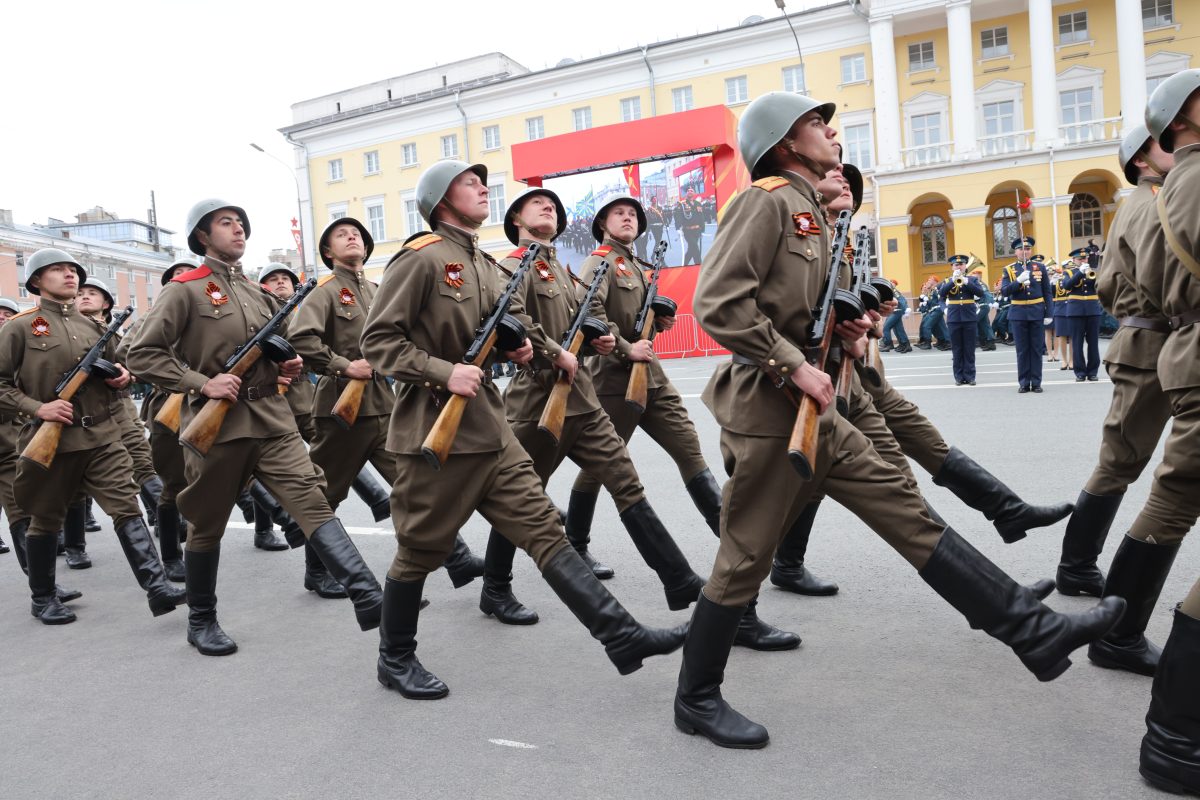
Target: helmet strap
<point>1153,167</point>
<point>808,163</point>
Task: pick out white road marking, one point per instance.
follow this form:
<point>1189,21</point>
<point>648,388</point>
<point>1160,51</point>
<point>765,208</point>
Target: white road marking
<point>511,743</point>
<point>1006,385</point>
<point>349,529</point>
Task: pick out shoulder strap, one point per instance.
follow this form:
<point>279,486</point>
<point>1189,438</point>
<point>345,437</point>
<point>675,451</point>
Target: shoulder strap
<point>423,241</point>
<point>1187,258</point>
<point>193,275</point>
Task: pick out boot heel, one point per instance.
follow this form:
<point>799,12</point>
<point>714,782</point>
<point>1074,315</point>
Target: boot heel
<point>161,606</point>
<point>1011,536</point>
<point>683,726</point>
<point>629,668</point>
<point>1047,675</point>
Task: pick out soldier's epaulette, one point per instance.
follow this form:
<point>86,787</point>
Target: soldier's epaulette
<point>770,184</point>
<point>25,313</point>
<point>518,253</point>
<point>423,241</point>
<point>602,250</point>
<point>325,280</point>
<point>192,274</point>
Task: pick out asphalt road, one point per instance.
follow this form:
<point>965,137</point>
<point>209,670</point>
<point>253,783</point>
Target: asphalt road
<point>890,695</point>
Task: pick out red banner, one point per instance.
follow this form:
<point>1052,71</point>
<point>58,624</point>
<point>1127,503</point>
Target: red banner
<point>633,178</point>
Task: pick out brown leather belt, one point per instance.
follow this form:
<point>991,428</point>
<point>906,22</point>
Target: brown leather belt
<point>258,391</point>
<point>1146,324</point>
<point>1185,319</point>
<point>91,420</point>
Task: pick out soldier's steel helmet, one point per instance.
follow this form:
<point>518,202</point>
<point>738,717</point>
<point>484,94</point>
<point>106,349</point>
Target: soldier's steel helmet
<point>98,284</point>
<point>191,262</point>
<point>602,212</point>
<point>769,118</point>
<point>46,257</point>
<point>854,177</point>
<point>433,183</point>
<point>1165,104</point>
<point>202,210</point>
<point>510,227</point>
<point>1131,145</point>
<point>364,234</point>
<point>274,267</point>
<point>11,305</point>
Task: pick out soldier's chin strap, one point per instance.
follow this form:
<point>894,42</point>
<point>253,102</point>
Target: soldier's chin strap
<point>1155,168</point>
<point>1192,126</point>
<point>808,163</point>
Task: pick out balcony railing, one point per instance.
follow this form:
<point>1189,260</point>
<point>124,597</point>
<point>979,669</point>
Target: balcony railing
<point>1004,143</point>
<point>926,154</point>
<point>1095,130</point>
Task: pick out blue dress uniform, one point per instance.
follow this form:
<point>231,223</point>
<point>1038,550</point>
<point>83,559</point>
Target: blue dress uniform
<point>1062,325</point>
<point>983,326</point>
<point>1084,312</point>
<point>1030,307</point>
<point>960,295</point>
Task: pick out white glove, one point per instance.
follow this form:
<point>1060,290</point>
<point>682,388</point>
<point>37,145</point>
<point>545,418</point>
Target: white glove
<point>923,298</point>
<point>957,273</point>
<point>995,305</point>
<point>1047,320</point>
<point>1024,278</point>
<point>908,312</point>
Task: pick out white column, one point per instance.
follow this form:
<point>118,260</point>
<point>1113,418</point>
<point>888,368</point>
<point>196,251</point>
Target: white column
<point>887,92</point>
<point>1131,61</point>
<point>962,76</point>
<point>1041,57</point>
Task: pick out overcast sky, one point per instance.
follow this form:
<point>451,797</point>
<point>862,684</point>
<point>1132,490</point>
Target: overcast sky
<point>108,101</point>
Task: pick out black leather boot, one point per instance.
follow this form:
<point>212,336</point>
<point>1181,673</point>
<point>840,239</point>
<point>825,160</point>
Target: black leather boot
<point>150,492</point>
<point>264,532</point>
<point>142,556</point>
<point>497,597</point>
<point>75,539</point>
<point>681,585</point>
<point>371,492</point>
<point>699,707</point>
<point>626,640</point>
<point>1083,543</point>
<point>706,494</point>
<point>982,491</point>
<point>3,547</point>
<point>41,553</point>
<point>90,524</point>
<point>17,530</point>
<point>398,667</point>
<point>204,633</point>
<point>317,578</point>
<point>462,565</point>
<point>1170,756</point>
<point>788,571</point>
<point>580,510</point>
<point>1138,573</point>
<point>292,532</point>
<point>755,634</point>
<point>332,544</point>
<point>168,542</point>
<point>995,603</point>
<point>245,502</point>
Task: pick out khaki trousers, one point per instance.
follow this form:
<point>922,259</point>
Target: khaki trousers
<point>1136,418</point>
<point>342,453</point>
<point>102,472</point>
<point>1174,502</point>
<point>167,454</point>
<point>133,436</point>
<point>917,437</point>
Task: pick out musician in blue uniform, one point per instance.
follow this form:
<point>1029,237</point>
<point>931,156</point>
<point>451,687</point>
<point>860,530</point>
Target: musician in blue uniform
<point>1026,283</point>
<point>1084,312</point>
<point>987,301</point>
<point>1060,342</point>
<point>960,292</point>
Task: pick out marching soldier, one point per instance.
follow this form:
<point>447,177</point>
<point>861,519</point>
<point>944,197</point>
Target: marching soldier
<point>281,281</point>
<point>961,292</point>
<point>36,349</point>
<point>1084,312</point>
<point>1027,285</point>
<point>8,432</point>
<point>201,317</point>
<point>433,294</point>
<point>1169,280</point>
<point>763,275</point>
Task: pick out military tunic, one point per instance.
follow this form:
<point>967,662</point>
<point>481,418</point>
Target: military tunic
<point>1030,306</point>
<point>960,316</point>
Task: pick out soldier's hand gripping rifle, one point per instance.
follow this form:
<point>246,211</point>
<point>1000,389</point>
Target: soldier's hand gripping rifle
<point>498,330</point>
<point>204,428</point>
<point>837,305</point>
<point>653,306</point>
<point>583,329</point>
<point>44,444</point>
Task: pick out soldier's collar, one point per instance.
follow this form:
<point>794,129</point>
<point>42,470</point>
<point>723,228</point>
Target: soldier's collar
<point>224,266</point>
<point>1186,150</point>
<point>1155,180</point>
<point>351,272</point>
<point>801,184</point>
<point>62,309</point>
<point>621,248</point>
<point>468,239</point>
<point>549,250</point>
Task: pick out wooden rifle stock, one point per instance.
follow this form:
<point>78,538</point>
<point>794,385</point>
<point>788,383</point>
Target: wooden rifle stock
<point>639,375</point>
<point>555,411</point>
<point>802,446</point>
<point>204,428</point>
<point>845,381</point>
<point>168,415</point>
<point>345,410</point>
<point>436,447</point>
<point>44,444</point>
<point>872,360</point>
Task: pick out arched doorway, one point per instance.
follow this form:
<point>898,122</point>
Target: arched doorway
<point>1094,199</point>
<point>931,237</point>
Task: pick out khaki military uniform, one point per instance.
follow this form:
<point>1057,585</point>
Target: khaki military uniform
<point>300,395</point>
<point>665,419</point>
<point>36,349</point>
<point>433,294</point>
<point>198,320</point>
<point>1166,286</point>
<point>326,333</point>
<point>917,437</point>
<point>10,431</point>
<point>763,275</point>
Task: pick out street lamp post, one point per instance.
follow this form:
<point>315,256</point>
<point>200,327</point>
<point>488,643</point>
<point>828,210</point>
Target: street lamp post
<point>299,213</point>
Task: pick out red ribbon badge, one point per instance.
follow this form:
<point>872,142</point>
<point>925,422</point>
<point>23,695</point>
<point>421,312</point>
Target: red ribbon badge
<point>215,295</point>
<point>347,297</point>
<point>543,271</point>
<point>805,224</point>
<point>41,327</point>
<point>454,275</point>
<point>620,263</point>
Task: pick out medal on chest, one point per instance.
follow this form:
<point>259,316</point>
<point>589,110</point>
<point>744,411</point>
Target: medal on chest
<point>543,271</point>
<point>215,295</point>
<point>346,298</point>
<point>41,327</point>
<point>454,275</point>
<point>805,224</point>
<point>620,265</point>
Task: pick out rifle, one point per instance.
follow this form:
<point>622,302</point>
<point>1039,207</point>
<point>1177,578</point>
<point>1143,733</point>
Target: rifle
<point>498,330</point>
<point>872,296</point>
<point>837,304</point>
<point>168,415</point>
<point>345,410</point>
<point>653,305</point>
<point>583,330</point>
<point>44,444</point>
<point>204,428</point>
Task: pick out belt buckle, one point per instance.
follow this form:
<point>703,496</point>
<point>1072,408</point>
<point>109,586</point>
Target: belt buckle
<point>253,393</point>
<point>86,421</point>
<point>1175,322</point>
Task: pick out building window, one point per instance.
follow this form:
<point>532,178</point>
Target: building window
<point>857,140</point>
<point>1072,28</point>
<point>631,109</point>
<point>412,215</point>
<point>854,68</point>
<point>371,163</point>
<point>582,118</point>
<point>933,240</point>
<point>1077,109</point>
<point>491,137</point>
<point>408,154</point>
<point>927,133</point>
<point>736,90</point>
<point>450,146</point>
<point>496,204</point>
<point>920,56</point>
<point>999,119</point>
<point>1005,230</point>
<point>375,221</point>
<point>1157,14</point>
<point>337,211</point>
<point>535,128</point>
<point>1152,83</point>
<point>993,42</point>
<point>682,99</point>
<point>335,169</point>
<point>1085,216</point>
<point>793,79</point>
